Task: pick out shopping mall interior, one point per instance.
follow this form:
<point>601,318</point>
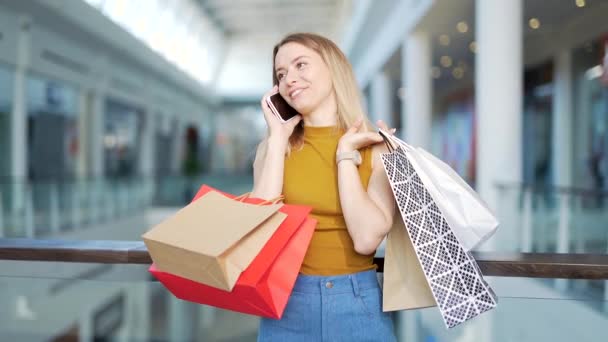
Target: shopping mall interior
<point>114,112</point>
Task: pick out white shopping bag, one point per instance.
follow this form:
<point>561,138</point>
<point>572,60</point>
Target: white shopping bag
<point>469,217</point>
<point>455,281</point>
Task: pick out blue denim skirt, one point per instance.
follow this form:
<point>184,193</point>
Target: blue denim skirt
<point>333,308</point>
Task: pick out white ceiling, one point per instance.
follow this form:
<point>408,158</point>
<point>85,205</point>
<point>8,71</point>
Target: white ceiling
<point>253,27</point>
<point>245,17</point>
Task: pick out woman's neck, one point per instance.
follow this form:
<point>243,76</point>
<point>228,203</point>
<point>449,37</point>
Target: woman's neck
<point>326,114</point>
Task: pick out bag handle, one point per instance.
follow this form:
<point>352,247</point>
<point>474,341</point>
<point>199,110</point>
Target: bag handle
<point>273,201</point>
<point>246,195</point>
<point>391,140</point>
<point>242,197</point>
<point>387,141</point>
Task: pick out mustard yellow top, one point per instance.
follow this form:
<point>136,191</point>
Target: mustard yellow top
<point>311,178</point>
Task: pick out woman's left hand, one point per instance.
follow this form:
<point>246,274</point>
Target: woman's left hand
<point>354,139</point>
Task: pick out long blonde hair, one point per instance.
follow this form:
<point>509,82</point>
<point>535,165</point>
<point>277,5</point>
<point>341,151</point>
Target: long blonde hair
<point>346,91</point>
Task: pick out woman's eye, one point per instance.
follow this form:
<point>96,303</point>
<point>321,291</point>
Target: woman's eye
<point>279,76</point>
<point>300,65</point>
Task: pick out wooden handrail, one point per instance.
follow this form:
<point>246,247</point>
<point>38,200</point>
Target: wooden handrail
<point>526,265</point>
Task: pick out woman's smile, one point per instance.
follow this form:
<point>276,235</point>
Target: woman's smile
<point>295,92</point>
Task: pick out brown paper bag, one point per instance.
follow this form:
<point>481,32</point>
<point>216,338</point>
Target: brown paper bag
<point>213,239</point>
<point>405,286</point>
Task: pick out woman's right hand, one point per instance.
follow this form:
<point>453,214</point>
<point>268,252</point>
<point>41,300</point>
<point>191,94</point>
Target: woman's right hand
<point>277,130</point>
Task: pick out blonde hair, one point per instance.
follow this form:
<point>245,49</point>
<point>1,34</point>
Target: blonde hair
<point>346,91</point>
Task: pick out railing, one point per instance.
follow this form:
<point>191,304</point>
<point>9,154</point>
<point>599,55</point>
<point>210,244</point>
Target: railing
<point>51,288</point>
<point>43,209</point>
<point>38,209</point>
<point>528,265</point>
<point>549,219</point>
<point>101,289</point>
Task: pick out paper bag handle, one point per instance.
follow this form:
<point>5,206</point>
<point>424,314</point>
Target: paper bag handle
<point>275,200</point>
<point>391,140</point>
<point>242,197</point>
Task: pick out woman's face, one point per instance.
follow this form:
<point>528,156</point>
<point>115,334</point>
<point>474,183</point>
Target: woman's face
<point>304,79</point>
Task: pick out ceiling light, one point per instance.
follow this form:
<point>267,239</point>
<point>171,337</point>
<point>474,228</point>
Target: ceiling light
<point>473,47</point>
<point>534,23</point>
<point>580,3</point>
<point>444,40</point>
<point>462,27</point>
<point>446,61</point>
<point>458,73</point>
<point>435,72</point>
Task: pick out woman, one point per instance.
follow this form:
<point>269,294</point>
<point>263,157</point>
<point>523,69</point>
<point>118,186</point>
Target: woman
<point>314,160</point>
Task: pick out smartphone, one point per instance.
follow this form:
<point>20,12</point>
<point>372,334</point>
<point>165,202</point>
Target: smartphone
<point>280,108</point>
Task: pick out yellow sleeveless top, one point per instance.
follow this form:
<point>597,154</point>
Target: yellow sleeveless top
<point>311,178</point>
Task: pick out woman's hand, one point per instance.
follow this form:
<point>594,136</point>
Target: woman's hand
<point>354,139</point>
<point>277,130</point>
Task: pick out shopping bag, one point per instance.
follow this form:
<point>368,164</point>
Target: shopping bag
<point>404,284</point>
<point>213,239</point>
<point>451,272</point>
<point>265,286</point>
<point>467,214</point>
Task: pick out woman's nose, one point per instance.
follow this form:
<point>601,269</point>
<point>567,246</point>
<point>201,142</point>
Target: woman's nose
<point>290,78</point>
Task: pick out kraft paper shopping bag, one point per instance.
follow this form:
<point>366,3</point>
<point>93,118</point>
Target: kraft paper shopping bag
<point>213,239</point>
<point>405,286</point>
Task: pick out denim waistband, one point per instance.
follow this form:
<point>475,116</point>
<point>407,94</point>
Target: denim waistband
<point>336,284</point>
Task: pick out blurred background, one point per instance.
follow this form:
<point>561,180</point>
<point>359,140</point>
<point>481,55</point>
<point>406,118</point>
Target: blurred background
<point>113,112</point>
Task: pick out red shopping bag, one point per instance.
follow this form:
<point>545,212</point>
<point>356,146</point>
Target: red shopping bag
<point>265,286</point>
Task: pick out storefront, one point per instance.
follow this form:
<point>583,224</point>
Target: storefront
<point>52,136</point>
<point>591,114</point>
<point>537,124</point>
<point>165,141</point>
<point>6,91</point>
<point>453,133</point>
<point>122,139</point>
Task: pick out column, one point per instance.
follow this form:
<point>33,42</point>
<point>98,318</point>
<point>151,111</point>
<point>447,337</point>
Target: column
<point>18,139</point>
<point>95,102</point>
<point>96,133</point>
<point>82,168</point>
<point>182,318</point>
<point>136,324</point>
<point>416,115</point>
<point>178,148</point>
<point>408,324</point>
<point>562,119</point>
<point>562,136</point>
<point>498,98</point>
<point>94,187</point>
<point>146,161</point>
<point>417,109</point>
<point>498,102</point>
<point>381,99</point>
<point>85,327</point>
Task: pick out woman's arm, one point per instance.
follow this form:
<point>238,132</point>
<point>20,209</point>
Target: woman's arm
<point>269,159</point>
<point>368,214</point>
<point>268,169</point>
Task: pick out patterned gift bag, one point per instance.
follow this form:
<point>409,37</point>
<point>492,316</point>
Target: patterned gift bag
<point>453,276</point>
